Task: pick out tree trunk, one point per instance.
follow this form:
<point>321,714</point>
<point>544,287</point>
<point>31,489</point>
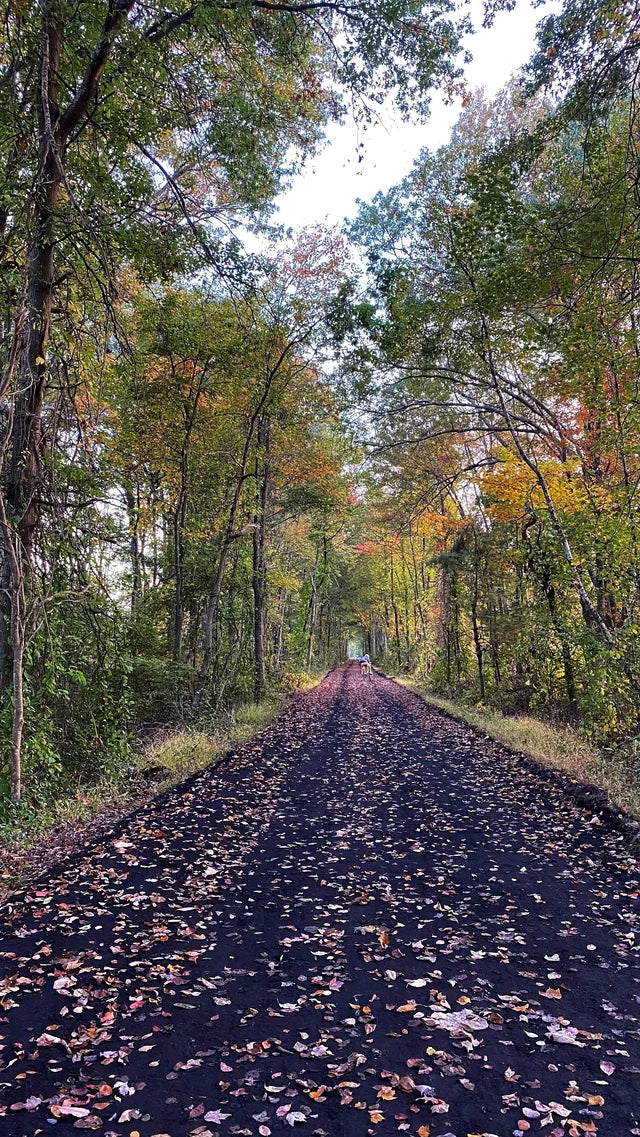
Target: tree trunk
<point>189,412</point>
<point>6,651</point>
<point>313,610</point>
<point>18,629</point>
<point>259,578</point>
<point>329,635</point>
<point>34,325</point>
<point>178,615</point>
<point>407,635</point>
<point>479,651</point>
<point>493,647</point>
<point>228,537</point>
<point>29,366</point>
<point>538,565</point>
<point>396,618</point>
<point>213,602</point>
<point>18,637</point>
<point>477,641</point>
<point>455,616</point>
<point>24,460</point>
<point>179,519</point>
<point>278,646</point>
<point>193,629</point>
<point>133,509</point>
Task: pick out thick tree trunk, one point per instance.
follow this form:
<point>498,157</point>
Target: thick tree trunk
<point>189,412</point>
<point>27,372</point>
<point>23,467</point>
<point>178,611</point>
<point>407,631</point>
<point>18,638</point>
<point>329,636</point>
<point>567,664</point>
<point>455,617</point>
<point>419,618</point>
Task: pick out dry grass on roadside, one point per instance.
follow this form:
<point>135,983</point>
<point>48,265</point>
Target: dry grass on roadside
<point>184,752</point>
<point>559,747</point>
<point>39,838</point>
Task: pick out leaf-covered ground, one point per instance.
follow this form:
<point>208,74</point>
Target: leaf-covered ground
<point>368,922</point>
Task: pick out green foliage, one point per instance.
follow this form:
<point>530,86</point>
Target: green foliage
<point>78,703</point>
<point>506,430</point>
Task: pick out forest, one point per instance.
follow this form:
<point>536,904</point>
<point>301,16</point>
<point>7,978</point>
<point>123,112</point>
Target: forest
<point>232,453</point>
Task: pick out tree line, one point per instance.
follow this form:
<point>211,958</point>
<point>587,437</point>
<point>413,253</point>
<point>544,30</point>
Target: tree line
<point>217,468</point>
<point>497,343</point>
<point>159,389</point>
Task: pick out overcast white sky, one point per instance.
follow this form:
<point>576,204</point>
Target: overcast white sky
<point>328,188</point>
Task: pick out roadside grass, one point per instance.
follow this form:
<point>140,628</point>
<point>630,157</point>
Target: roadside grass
<point>558,747</point>
<point>177,754</point>
<point>37,836</point>
<point>184,752</point>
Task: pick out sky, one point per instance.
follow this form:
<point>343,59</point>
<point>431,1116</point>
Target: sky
<point>327,190</point>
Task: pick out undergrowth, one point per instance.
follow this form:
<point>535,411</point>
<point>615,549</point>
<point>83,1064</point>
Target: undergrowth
<point>179,753</point>
<point>163,760</point>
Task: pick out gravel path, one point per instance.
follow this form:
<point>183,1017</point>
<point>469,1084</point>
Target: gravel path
<point>368,921</point>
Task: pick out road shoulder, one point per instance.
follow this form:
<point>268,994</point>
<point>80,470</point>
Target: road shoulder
<point>587,777</point>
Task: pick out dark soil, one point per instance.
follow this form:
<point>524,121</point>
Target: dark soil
<point>368,921</point>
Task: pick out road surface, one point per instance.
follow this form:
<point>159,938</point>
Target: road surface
<point>368,921</point>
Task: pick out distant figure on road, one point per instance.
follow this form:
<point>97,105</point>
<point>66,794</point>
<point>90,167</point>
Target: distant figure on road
<point>365,667</point>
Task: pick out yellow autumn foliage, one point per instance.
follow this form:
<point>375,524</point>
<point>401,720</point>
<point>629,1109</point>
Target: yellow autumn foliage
<point>511,488</point>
